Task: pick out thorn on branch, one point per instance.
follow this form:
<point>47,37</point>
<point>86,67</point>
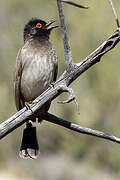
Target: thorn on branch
<point>74,4</point>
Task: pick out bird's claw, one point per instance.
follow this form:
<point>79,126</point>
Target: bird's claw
<point>27,105</point>
<point>52,84</point>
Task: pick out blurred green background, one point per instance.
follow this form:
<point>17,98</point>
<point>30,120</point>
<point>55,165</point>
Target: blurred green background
<point>65,154</point>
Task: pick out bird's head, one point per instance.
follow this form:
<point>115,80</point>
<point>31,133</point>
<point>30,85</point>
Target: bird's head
<point>38,28</point>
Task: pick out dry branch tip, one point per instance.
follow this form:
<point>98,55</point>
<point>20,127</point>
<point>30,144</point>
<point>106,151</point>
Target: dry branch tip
<point>74,4</point>
<point>77,106</point>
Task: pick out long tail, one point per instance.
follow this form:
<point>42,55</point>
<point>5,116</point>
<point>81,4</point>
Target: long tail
<point>29,147</point>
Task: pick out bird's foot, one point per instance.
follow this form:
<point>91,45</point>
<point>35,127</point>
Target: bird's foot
<point>27,105</point>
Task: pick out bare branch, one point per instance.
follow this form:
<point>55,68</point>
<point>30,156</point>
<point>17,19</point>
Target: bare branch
<point>20,117</point>
<point>75,127</point>
<point>74,4</point>
<point>67,49</point>
<point>14,122</point>
<point>51,93</point>
<point>115,14</point>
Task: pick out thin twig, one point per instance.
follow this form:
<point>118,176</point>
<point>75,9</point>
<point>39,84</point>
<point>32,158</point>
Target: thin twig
<point>74,4</point>
<point>115,14</point>
<point>94,57</point>
<point>75,127</point>
<point>67,49</point>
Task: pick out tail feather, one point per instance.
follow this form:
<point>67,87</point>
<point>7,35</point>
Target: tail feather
<point>29,147</point>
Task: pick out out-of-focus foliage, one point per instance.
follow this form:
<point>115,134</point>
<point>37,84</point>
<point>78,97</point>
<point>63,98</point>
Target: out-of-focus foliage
<point>65,154</point>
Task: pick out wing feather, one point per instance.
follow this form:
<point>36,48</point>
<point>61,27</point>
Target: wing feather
<point>17,81</point>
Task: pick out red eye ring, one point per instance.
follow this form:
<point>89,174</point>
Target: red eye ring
<point>38,25</point>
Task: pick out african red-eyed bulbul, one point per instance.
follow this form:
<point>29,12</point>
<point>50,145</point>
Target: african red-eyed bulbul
<point>36,68</point>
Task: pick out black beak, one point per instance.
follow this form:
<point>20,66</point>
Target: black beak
<point>48,27</point>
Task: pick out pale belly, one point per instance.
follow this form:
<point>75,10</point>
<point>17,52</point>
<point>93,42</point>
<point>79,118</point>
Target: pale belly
<point>36,78</point>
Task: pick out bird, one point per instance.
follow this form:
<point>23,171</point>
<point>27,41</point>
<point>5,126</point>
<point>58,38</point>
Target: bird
<point>36,69</point>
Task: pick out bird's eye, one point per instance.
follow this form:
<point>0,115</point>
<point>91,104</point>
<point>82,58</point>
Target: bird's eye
<point>38,25</point>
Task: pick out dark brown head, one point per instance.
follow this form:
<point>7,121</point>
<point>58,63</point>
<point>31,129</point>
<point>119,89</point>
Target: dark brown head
<point>37,28</point>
